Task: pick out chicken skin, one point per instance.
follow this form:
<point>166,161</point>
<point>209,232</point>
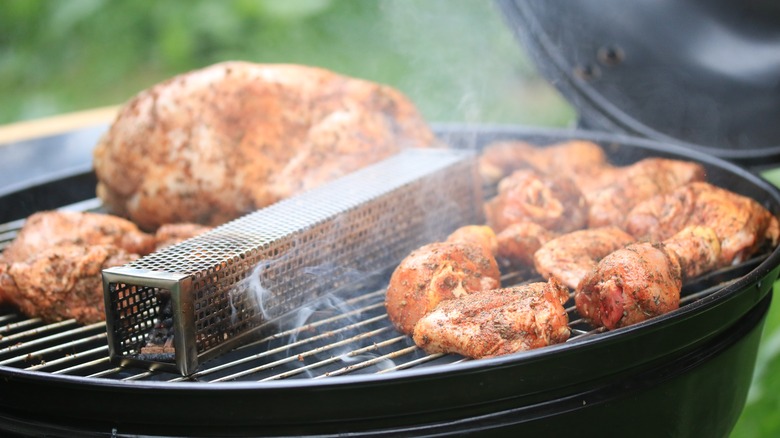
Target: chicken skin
<point>582,161</point>
<point>698,250</point>
<point>54,228</point>
<point>62,282</point>
<point>53,268</point>
<point>479,235</point>
<point>171,234</point>
<point>636,183</point>
<point>434,273</point>
<point>496,322</point>
<point>570,257</point>
<point>553,202</point>
<point>741,224</point>
<point>631,285</point>
<point>518,242</point>
<point>213,144</point>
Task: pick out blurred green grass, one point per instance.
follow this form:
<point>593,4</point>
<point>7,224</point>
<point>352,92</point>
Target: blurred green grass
<point>455,59</point>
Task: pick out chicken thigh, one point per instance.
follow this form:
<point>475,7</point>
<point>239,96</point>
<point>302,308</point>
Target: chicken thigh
<point>434,273</point>
<point>570,257</point>
<point>741,224</point>
<point>553,202</point>
<point>496,322</point>
<point>635,183</point>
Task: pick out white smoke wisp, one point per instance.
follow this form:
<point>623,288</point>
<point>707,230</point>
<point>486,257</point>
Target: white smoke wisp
<point>331,331</point>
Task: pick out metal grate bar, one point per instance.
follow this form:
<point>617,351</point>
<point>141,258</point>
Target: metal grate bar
<point>339,358</point>
<point>412,363</point>
<point>51,338</point>
<point>70,357</point>
<point>301,356</point>
<point>54,349</point>
<point>22,324</point>
<point>107,372</point>
<point>371,362</point>
<point>76,368</point>
<point>292,333</point>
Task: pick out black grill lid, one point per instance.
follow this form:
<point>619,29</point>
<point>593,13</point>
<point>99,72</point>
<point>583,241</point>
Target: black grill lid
<point>702,73</point>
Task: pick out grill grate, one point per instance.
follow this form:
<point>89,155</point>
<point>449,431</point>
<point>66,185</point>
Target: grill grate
<point>339,334</point>
<point>343,333</point>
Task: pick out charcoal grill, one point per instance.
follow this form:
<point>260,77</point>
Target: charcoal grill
<point>340,366</point>
<point>341,369</point>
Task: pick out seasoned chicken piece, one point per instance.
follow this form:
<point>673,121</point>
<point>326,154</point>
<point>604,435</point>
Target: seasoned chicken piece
<point>496,322</point>
<point>697,248</point>
<point>171,234</point>
<point>631,285</point>
<point>553,202</point>
<point>433,273</point>
<point>570,257</point>
<point>62,282</point>
<point>518,242</point>
<point>210,145</point>
<point>741,224</point>
<point>480,235</point>
<point>582,161</point>
<point>53,228</point>
<point>636,183</point>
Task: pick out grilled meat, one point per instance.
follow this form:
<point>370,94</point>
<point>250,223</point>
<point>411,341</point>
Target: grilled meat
<point>213,144</point>
<point>171,234</point>
<point>636,183</point>
<point>582,161</point>
<point>53,268</point>
<point>741,224</point>
<point>645,279</point>
<point>479,235</point>
<point>496,322</point>
<point>570,257</point>
<point>553,202</point>
<point>518,242</point>
<point>54,228</point>
<point>62,282</point>
<point>631,285</point>
<point>698,249</point>
<point>434,273</point>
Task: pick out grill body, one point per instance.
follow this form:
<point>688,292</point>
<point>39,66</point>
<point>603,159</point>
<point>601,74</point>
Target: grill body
<point>662,376</point>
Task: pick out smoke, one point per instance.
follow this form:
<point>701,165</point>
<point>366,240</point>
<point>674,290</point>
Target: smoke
<point>465,64</point>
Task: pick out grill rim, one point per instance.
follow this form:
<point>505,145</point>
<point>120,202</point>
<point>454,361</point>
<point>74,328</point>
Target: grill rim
<point>477,136</point>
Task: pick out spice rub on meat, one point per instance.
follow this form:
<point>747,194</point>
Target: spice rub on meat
<point>52,269</point>
<point>570,257</point>
<point>47,229</point>
<point>553,202</point>
<point>62,282</point>
<point>582,161</point>
<point>441,271</point>
<point>631,285</point>
<point>213,144</point>
<point>496,322</point>
<point>645,279</point>
<point>741,224</point>
<point>635,183</point>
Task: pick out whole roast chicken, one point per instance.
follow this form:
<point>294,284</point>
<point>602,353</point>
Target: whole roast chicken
<point>213,144</point>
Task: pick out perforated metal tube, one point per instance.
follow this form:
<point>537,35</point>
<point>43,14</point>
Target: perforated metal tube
<point>218,290</point>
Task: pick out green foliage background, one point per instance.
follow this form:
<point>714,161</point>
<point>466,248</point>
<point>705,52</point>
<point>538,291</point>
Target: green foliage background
<point>456,59</point>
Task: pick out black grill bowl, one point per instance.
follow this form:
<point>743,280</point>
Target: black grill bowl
<point>685,373</point>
